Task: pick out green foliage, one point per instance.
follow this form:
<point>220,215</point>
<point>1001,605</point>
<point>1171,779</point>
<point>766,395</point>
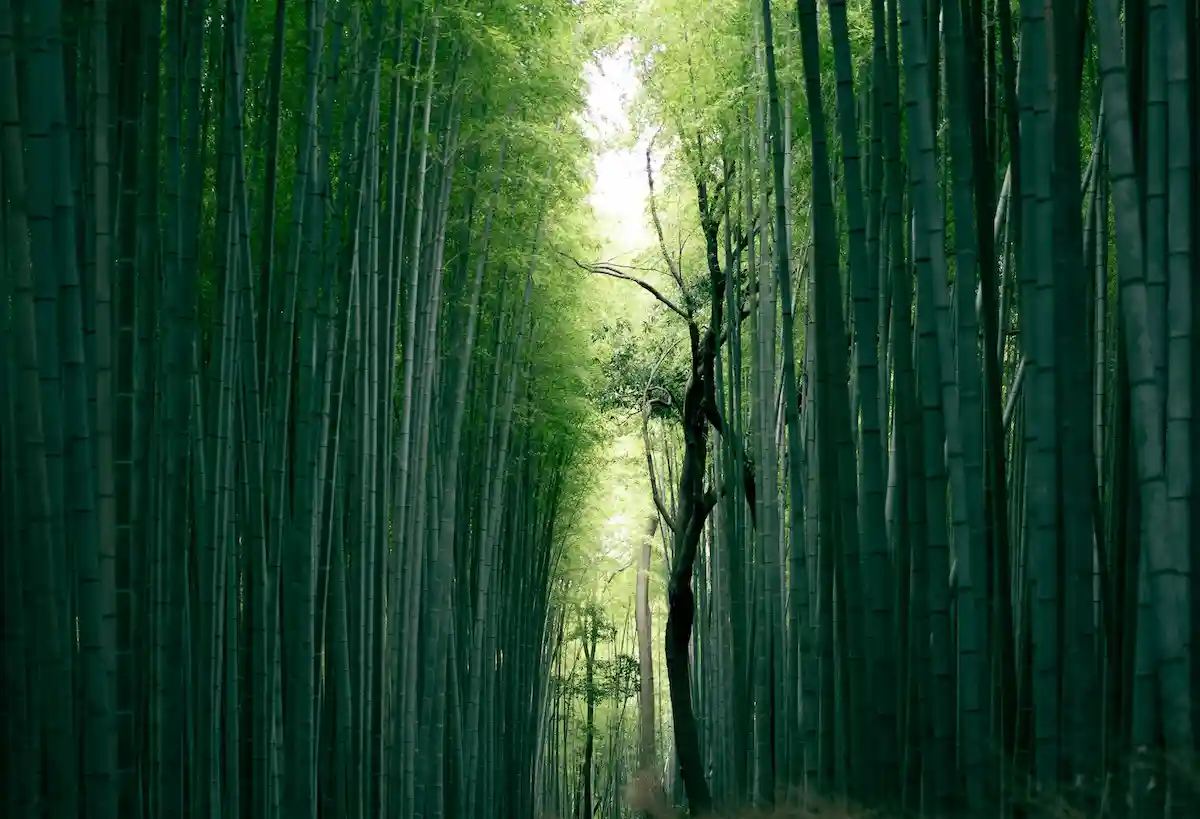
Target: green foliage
<point>617,678</point>
<point>694,63</point>
<point>631,361</point>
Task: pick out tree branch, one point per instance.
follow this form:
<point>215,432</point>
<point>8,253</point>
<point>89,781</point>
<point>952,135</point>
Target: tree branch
<point>662,242</point>
<point>654,490</point>
<point>609,270</point>
<point>646,404</point>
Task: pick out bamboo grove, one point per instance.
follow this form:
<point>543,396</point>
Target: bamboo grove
<point>919,400</point>
<point>297,407</point>
<point>289,430</point>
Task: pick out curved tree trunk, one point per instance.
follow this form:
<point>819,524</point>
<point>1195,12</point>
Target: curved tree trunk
<point>692,507</point>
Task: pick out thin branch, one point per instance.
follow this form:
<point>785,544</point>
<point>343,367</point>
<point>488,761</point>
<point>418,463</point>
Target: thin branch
<point>654,490</point>
<point>667,404</point>
<point>623,266</point>
<point>662,242</point>
<point>608,270</point>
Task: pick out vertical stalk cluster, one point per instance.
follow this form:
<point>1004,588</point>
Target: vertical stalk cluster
<point>288,443</point>
<point>969,423</point>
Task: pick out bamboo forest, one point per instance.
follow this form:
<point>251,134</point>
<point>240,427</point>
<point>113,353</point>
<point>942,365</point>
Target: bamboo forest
<point>599,409</point>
